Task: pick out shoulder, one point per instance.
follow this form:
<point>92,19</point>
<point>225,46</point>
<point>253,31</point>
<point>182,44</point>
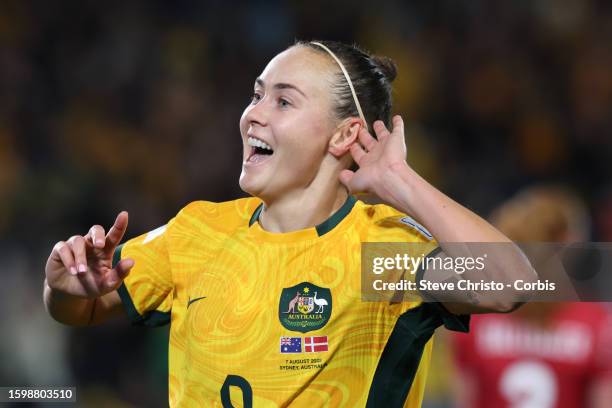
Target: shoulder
<point>385,221</point>
<point>226,215</point>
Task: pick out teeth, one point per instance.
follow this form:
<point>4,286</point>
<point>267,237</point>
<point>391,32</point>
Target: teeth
<point>258,143</point>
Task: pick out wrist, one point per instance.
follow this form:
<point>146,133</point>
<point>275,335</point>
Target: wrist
<point>399,166</point>
<point>399,184</point>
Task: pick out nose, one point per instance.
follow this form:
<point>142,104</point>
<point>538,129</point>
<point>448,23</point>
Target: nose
<point>256,114</point>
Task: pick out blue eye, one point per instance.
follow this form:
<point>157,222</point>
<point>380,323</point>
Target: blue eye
<point>283,103</point>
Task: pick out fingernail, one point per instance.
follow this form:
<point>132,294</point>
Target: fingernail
<point>111,282</point>
<point>73,270</point>
<point>99,242</point>
<point>82,268</point>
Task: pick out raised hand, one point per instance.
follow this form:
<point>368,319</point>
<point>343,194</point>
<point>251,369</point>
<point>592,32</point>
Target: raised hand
<point>82,266</point>
<point>376,159</point>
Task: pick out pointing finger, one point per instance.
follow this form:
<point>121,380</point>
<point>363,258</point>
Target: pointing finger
<point>115,234</point>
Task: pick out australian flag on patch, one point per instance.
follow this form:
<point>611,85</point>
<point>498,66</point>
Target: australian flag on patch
<point>290,344</point>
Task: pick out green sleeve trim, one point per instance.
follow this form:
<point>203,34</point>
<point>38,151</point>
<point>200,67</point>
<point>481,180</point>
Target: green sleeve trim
<point>153,318</point>
<point>117,255</point>
<point>401,357</point>
<point>460,323</point>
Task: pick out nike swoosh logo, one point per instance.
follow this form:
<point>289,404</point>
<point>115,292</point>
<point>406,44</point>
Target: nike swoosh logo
<point>190,301</point>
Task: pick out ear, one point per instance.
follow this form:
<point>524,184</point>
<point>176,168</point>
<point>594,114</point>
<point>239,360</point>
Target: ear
<point>344,136</point>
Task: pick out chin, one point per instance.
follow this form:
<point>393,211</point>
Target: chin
<point>249,185</point>
<point>257,188</point>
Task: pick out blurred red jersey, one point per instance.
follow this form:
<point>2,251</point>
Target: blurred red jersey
<point>519,363</point>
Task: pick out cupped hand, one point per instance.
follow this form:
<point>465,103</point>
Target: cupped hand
<point>376,158</point>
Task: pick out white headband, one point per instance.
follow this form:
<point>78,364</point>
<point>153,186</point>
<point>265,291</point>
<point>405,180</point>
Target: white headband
<point>348,79</point>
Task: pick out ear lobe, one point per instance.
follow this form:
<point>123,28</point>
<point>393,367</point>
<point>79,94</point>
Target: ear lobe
<point>344,137</point>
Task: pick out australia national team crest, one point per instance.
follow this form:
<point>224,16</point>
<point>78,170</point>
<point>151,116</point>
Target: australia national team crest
<point>305,307</point>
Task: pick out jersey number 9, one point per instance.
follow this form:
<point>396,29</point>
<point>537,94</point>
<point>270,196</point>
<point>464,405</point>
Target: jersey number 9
<point>245,387</point>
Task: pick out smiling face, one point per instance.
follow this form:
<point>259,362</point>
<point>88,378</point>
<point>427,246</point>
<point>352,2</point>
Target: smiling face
<point>287,127</point>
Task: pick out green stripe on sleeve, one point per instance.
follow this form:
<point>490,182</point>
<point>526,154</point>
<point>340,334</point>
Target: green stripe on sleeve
<point>400,359</point>
<point>153,318</point>
<point>117,255</point>
<point>460,323</point>
<point>402,354</point>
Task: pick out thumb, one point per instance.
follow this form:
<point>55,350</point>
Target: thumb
<point>121,270</point>
<point>345,177</point>
<point>354,184</point>
<point>123,267</point>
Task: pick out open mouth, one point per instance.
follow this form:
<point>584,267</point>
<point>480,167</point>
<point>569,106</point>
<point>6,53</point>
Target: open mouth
<point>260,150</point>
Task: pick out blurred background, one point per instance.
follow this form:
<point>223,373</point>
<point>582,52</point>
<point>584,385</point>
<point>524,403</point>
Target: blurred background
<point>134,105</point>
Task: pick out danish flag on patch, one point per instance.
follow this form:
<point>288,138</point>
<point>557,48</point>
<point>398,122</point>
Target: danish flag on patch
<point>315,344</point>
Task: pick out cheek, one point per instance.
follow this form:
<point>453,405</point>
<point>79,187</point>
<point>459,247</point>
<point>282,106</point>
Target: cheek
<point>308,144</point>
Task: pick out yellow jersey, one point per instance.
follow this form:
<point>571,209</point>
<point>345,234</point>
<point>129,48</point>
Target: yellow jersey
<point>276,319</point>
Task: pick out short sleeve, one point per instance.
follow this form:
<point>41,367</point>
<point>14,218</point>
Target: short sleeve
<point>459,323</point>
<point>147,292</point>
<point>391,225</point>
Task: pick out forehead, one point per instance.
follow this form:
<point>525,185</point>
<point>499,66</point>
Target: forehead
<point>308,70</point>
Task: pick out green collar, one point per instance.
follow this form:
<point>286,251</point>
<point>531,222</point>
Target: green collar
<point>327,225</point>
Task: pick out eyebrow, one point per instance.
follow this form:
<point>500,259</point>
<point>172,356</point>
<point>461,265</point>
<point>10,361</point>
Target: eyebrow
<point>280,85</point>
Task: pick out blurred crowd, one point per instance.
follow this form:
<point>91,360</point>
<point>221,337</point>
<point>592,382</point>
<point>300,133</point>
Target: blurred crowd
<point>135,105</point>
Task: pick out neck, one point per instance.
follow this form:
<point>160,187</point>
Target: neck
<point>301,209</point>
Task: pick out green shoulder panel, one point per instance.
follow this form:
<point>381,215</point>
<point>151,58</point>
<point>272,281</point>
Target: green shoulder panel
<point>401,356</point>
<point>449,320</point>
<point>152,318</point>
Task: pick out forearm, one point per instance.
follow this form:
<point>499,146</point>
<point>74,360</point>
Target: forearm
<point>68,309</point>
<point>446,219</point>
<point>462,233</point>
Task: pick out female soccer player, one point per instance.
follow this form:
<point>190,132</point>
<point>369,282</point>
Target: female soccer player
<point>264,293</point>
